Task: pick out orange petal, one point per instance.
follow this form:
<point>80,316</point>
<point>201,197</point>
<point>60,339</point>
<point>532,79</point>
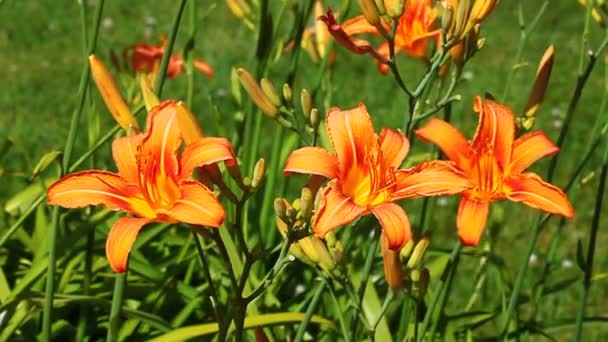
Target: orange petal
<point>359,47</point>
<point>529,148</point>
<point>435,178</point>
<point>352,136</point>
<point>204,68</point>
<point>95,187</point>
<point>384,50</point>
<point>451,142</point>
<point>312,160</point>
<point>205,151</point>
<point>124,151</point>
<point>120,241</point>
<point>334,210</point>
<point>496,129</point>
<point>197,206</point>
<point>530,189</point>
<point>394,146</point>
<point>162,140</point>
<point>395,224</point>
<point>358,25</point>
<point>471,220</point>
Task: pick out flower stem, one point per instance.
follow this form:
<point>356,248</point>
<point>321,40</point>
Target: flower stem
<point>47,312</point>
<point>595,224</point>
<point>164,64</point>
<point>312,306</point>
<point>438,290</point>
<point>115,310</point>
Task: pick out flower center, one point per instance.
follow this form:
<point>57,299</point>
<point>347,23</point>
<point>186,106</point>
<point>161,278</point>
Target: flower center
<point>368,185</point>
<point>486,176</point>
<point>160,190</point>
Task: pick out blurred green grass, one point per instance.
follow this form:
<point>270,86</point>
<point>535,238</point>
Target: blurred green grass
<point>42,60</point>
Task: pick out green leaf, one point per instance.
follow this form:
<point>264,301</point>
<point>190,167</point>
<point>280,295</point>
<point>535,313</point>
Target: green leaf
<point>22,201</point>
<point>469,319</point>
<point>45,161</point>
<point>185,333</point>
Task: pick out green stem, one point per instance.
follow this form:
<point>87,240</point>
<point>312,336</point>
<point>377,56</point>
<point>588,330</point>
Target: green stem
<point>367,268</point>
<point>438,289</point>
<point>387,301</point>
<point>444,298</point>
<point>595,224</point>
<point>189,52</point>
<point>117,298</point>
<point>162,70</point>
<point>47,312</point>
<point>312,306</point>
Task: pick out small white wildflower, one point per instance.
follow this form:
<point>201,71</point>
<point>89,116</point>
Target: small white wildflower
<point>533,260</point>
<point>467,75</point>
<point>557,123</point>
<point>567,263</point>
<point>107,23</point>
<point>555,111</point>
<point>300,289</point>
<point>150,20</point>
<point>442,201</point>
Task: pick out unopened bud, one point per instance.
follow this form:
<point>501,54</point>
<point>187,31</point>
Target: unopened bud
<point>292,213</point>
<point>406,251</point>
<point>271,92</point>
<point>188,125</point>
<point>111,95</point>
<point>543,73</point>
<point>447,19</point>
<point>418,253</point>
<point>315,118</point>
<point>306,102</point>
<point>256,93</point>
<point>287,93</point>
<point>258,173</point>
<point>392,266</point>
<point>380,7</point>
<point>296,204</point>
<point>150,98</point>
<point>394,8</point>
<point>280,208</point>
<point>370,12</point>
<point>247,181</point>
<point>462,15</point>
<point>317,252</point>
<point>306,202</point>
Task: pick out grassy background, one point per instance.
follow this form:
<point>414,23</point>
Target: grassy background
<point>42,60</point>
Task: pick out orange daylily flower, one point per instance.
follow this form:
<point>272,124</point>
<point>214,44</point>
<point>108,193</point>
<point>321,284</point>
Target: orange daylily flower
<point>415,28</point>
<point>365,176</point>
<point>147,57</point>
<point>495,162</point>
<point>152,182</point>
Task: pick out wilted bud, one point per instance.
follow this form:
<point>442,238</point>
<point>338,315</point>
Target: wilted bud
<point>306,203</point>
<point>306,102</point>
<point>188,125</point>
<point>111,96</point>
<point>280,208</point>
<point>370,12</point>
<point>256,93</point>
<point>150,98</point>
<point>287,93</point>
<point>392,265</point>
<point>406,251</point>
<point>543,73</point>
<point>314,118</point>
<point>258,173</point>
<point>269,90</point>
<point>418,253</point>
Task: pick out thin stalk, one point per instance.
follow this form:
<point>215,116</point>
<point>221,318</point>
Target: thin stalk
<point>367,268</point>
<point>312,306</point>
<point>47,312</point>
<point>437,291</point>
<point>162,70</point>
<point>595,224</point>
<point>339,312</point>
<point>190,52</point>
<point>117,298</point>
<point>444,298</point>
<point>387,301</point>
<point>269,234</point>
<point>214,293</point>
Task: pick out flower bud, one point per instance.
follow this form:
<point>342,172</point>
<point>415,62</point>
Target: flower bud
<point>543,73</point>
<point>447,19</point>
<point>306,203</point>
<point>380,7</point>
<point>370,12</point>
<point>317,252</point>
<point>188,125</point>
<point>258,173</point>
<point>150,98</point>
<point>392,265</point>
<point>256,93</point>
<point>418,253</point>
<point>280,208</point>
<point>394,8</point>
<point>270,91</point>
<point>292,213</point>
<point>420,280</point>
<point>406,251</point>
<point>111,95</point>
<point>287,93</point>
<point>314,118</point>
<point>306,102</point>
